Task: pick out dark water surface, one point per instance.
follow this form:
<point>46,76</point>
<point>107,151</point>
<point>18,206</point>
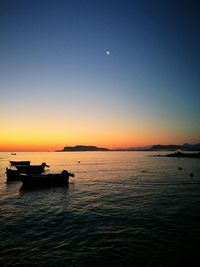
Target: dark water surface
<point>121,209</point>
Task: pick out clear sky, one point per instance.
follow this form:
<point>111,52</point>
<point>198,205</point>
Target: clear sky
<point>106,73</point>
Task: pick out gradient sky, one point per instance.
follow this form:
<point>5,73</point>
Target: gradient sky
<point>59,87</point>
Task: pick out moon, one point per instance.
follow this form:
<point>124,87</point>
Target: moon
<point>108,53</point>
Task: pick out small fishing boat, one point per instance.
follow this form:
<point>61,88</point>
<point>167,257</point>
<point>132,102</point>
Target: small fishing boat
<point>37,169</point>
<point>13,173</point>
<point>15,163</point>
<point>45,180</point>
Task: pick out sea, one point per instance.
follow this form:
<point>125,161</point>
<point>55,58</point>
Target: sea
<point>120,209</point>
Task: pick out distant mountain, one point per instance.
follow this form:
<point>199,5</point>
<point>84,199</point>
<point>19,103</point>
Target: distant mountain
<point>82,148</point>
<point>184,147</point>
<point>166,147</point>
<point>192,147</point>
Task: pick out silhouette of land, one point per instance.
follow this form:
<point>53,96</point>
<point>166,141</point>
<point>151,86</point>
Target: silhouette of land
<point>184,155</point>
<point>184,147</point>
<point>82,148</point>
<point>181,155</point>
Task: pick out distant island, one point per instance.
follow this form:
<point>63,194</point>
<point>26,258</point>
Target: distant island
<point>184,147</point>
<point>82,148</point>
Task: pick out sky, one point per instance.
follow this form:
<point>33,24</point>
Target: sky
<point>112,73</point>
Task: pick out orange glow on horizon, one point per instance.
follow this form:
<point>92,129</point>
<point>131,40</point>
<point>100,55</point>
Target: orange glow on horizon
<point>54,135</point>
<point>42,144</point>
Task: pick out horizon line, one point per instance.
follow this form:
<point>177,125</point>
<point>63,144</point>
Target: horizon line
<point>108,149</point>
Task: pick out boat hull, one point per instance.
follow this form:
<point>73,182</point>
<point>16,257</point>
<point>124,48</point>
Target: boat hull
<point>36,169</point>
<point>12,175</point>
<point>45,180</point>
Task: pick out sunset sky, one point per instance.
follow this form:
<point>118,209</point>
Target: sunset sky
<point>105,73</point>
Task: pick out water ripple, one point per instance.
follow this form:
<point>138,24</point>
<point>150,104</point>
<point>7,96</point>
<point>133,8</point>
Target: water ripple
<point>123,209</point>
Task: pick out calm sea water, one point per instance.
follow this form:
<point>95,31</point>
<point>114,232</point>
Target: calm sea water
<point>121,209</point>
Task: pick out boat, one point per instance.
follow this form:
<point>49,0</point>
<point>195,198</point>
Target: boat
<point>15,163</point>
<point>45,180</point>
<point>38,169</point>
<point>13,173</point>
